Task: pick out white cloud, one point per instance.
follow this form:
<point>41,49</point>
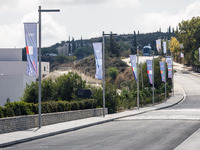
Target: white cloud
<point>90,2</point>
<point>94,34</point>
<point>52,31</point>
<point>11,35</point>
<point>153,21</point>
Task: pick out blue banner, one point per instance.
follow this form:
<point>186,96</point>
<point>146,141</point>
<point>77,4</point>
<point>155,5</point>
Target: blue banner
<point>133,65</point>
<point>169,67</point>
<point>164,47</point>
<point>162,70</point>
<point>30,30</point>
<point>149,70</point>
<point>98,58</point>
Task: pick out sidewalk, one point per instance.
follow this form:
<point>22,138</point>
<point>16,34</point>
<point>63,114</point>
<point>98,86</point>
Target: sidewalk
<point>12,138</point>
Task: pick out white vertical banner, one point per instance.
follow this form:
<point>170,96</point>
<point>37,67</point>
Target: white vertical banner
<point>157,45</point>
<point>164,47</point>
<point>182,55</point>
<point>30,30</point>
<point>98,58</point>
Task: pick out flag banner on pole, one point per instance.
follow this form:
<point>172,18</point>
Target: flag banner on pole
<point>162,70</point>
<point>98,59</point>
<point>149,70</point>
<point>169,67</point>
<point>164,47</point>
<point>157,45</point>
<point>30,30</point>
<point>133,65</point>
<point>182,55</point>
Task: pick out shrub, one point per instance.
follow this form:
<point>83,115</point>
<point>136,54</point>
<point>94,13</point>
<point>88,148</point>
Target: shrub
<point>22,108</point>
<point>113,72</point>
<point>60,106</point>
<point>67,106</point>
<point>67,86</point>
<point>74,105</point>
<point>111,97</point>
<point>82,105</point>
<point>1,112</point>
<point>30,94</point>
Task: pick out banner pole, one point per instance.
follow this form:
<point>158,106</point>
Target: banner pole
<point>141,75</point>
<point>172,74</point>
<point>153,77</point>
<point>138,105</point>
<point>39,90</point>
<point>103,74</point>
<point>165,79</point>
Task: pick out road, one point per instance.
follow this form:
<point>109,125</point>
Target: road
<point>157,130</point>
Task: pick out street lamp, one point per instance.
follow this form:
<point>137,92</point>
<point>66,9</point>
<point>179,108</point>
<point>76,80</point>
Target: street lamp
<point>39,92</point>
<point>103,34</point>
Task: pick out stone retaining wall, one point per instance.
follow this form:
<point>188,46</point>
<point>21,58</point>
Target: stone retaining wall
<point>18,123</point>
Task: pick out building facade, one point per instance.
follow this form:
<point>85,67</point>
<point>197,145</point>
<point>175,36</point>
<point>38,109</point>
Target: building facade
<point>13,78</point>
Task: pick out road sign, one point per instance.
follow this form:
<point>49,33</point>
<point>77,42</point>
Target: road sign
<point>84,93</point>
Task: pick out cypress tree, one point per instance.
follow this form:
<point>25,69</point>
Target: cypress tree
<point>134,47</point>
<point>69,45</point>
<point>81,42</point>
<point>169,29</point>
<point>73,45</point>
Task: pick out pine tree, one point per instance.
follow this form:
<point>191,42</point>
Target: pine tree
<point>69,45</point>
<point>73,45</point>
<point>169,29</point>
<point>111,43</point>
<point>81,42</point>
<point>134,47</point>
<point>173,30</point>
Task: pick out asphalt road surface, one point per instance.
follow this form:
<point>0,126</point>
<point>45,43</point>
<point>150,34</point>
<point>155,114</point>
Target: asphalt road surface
<point>157,130</point>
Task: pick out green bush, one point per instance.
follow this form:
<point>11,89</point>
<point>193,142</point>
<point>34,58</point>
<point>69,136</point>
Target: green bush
<point>60,106</point>
<point>74,105</point>
<point>67,106</point>
<point>113,72</point>
<point>30,94</point>
<point>111,98</point>
<point>90,104</point>
<point>1,112</point>
<point>17,109</point>
<point>22,108</point>
<point>82,105</point>
<point>67,86</point>
<point>64,88</point>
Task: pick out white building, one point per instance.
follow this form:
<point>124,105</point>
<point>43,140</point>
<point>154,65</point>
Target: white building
<point>13,76</point>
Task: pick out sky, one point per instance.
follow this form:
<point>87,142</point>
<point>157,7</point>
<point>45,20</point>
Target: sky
<point>88,18</point>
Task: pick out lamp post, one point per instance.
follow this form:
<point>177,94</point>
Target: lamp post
<point>138,96</point>
<point>103,34</point>
<point>153,77</point>
<point>39,89</point>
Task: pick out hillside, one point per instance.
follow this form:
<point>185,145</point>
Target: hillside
<point>83,47</point>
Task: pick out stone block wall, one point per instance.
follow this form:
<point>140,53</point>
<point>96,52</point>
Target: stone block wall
<point>19,123</point>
